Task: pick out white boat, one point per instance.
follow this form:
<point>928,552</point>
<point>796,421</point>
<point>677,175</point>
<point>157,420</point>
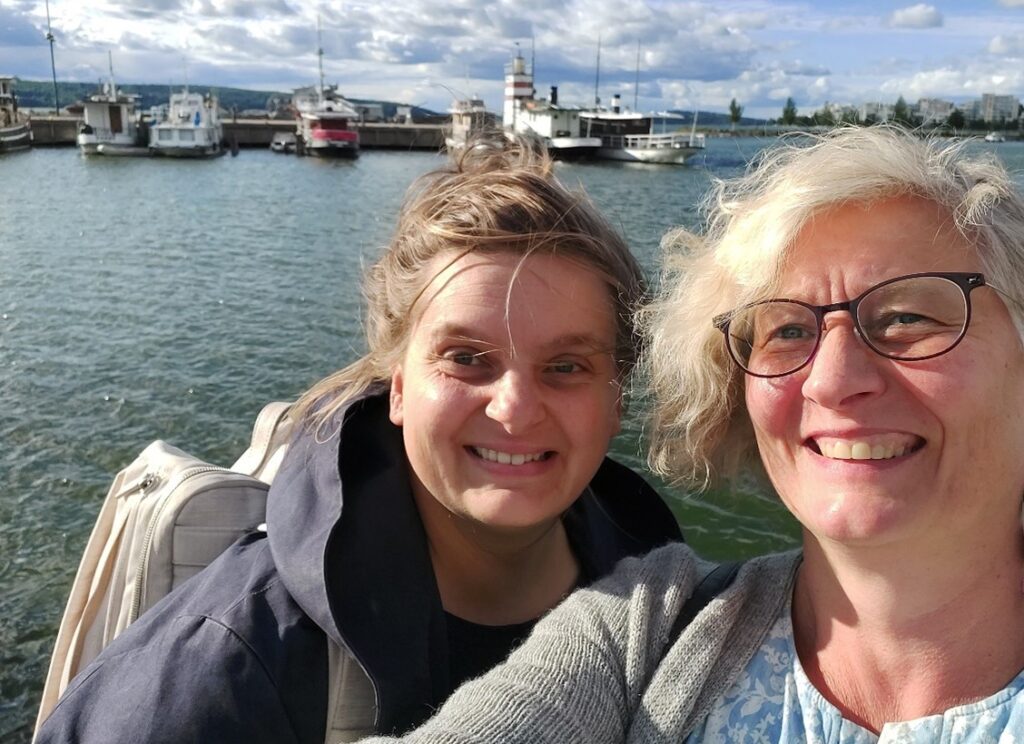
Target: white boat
<point>283,142</point>
<point>15,131</point>
<point>995,137</point>
<point>110,125</point>
<point>190,129</point>
<point>324,124</point>
<point>630,136</point>
<point>469,117</point>
<point>558,125</point>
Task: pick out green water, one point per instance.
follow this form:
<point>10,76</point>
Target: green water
<point>144,299</point>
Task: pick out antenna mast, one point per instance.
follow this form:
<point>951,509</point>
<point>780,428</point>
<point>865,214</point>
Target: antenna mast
<point>320,53</point>
<point>53,64</point>
<point>110,66</point>
<point>636,86</point>
<point>597,75</point>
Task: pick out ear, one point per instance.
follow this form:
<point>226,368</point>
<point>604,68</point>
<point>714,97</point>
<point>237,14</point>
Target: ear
<point>396,413</point>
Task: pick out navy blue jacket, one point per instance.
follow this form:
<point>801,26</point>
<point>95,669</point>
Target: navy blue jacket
<point>238,653</point>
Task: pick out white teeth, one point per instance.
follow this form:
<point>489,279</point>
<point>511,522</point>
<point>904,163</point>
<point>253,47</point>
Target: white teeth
<point>858,450</point>
<point>507,458</point>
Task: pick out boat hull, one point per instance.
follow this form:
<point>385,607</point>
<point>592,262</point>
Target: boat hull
<point>17,137</point>
<point>208,151</point>
<point>573,148</point>
<point>345,151</point>
<point>662,155</point>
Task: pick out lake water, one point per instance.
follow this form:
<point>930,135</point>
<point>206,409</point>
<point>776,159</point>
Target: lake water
<point>145,299</point>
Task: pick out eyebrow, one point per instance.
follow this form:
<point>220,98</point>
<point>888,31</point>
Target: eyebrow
<point>565,341</point>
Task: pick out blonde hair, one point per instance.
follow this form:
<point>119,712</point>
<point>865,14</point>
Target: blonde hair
<point>700,432</point>
<point>499,194</point>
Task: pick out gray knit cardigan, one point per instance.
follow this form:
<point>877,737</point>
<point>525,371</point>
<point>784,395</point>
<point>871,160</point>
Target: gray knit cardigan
<point>592,671</point>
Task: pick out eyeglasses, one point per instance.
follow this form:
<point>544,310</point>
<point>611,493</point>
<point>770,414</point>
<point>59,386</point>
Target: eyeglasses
<point>907,318</point>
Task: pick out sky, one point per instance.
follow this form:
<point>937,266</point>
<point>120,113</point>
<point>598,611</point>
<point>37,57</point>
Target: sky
<point>698,54</point>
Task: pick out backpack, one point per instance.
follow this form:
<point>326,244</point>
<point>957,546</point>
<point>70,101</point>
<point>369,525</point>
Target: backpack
<point>165,518</point>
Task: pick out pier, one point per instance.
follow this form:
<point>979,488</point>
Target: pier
<point>60,131</point>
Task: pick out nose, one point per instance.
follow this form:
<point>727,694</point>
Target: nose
<point>844,369</point>
<point>516,401</point>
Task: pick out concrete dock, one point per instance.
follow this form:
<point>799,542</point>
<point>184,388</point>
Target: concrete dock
<point>58,131</point>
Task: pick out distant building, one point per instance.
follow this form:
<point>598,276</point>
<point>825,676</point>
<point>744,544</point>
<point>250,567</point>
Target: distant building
<point>369,111</point>
<point>934,110</point>
<point>842,111</point>
<point>996,109</point>
<point>876,111</point>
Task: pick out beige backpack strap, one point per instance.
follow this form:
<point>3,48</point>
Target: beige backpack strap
<point>269,442</point>
<point>88,594</point>
<point>351,700</point>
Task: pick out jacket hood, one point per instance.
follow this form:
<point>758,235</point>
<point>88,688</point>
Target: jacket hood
<point>348,542</point>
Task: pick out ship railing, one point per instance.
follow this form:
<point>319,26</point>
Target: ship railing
<point>653,141</point>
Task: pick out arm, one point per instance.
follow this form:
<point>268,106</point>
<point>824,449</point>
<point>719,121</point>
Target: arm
<point>581,675</point>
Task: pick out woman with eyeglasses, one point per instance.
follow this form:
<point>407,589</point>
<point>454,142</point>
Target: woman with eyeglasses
<point>848,325</point>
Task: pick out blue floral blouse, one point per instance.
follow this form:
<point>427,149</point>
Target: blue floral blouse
<point>773,702</point>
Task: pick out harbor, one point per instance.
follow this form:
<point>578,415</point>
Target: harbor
<point>62,131</point>
<point>149,298</point>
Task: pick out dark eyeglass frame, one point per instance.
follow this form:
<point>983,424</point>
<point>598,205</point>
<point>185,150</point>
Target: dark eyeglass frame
<point>966,281</point>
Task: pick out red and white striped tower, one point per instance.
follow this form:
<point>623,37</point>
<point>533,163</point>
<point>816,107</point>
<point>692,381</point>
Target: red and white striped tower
<point>518,88</point>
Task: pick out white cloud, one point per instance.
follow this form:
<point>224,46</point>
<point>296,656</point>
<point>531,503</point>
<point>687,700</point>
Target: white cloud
<point>1012,3</point>
<point>1007,45</point>
<point>916,16</point>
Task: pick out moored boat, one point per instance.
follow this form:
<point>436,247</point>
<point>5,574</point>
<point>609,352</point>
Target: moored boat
<point>190,129</point>
<point>283,142</point>
<point>995,137</point>
<point>324,124</point>
<point>469,116</point>
<point>15,130</point>
<point>110,125</point>
<point>630,136</point>
<point>558,125</point>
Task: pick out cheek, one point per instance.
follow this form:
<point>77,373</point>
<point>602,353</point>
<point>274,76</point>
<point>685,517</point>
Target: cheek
<point>774,407</point>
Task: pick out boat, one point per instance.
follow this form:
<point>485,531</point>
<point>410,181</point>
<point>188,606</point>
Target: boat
<point>15,130</point>
<point>190,128</point>
<point>324,118</point>
<point>629,136</point>
<point>324,123</point>
<point>283,142</point>
<point>469,117</point>
<point>110,125</point>
<point>556,124</point>
<point>995,137</point>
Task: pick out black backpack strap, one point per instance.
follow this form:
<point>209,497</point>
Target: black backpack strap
<point>716,582</point>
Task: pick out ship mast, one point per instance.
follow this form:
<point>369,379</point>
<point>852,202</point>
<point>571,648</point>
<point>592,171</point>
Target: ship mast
<point>320,54</point>
<point>53,64</point>
<point>110,65</point>
<point>636,85</point>
<point>597,75</point>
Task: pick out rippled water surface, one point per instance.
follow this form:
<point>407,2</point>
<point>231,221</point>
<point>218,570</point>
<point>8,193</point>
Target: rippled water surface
<point>144,299</point>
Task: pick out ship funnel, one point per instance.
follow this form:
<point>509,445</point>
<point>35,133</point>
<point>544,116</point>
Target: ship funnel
<point>554,95</point>
<point>616,103</point>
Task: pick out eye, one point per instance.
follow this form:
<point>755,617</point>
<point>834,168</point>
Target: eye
<point>463,357</point>
<point>564,367</point>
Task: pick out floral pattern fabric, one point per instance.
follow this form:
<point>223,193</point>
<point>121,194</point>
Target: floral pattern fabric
<point>773,702</point>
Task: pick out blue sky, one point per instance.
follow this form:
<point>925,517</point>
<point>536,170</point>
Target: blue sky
<point>693,54</point>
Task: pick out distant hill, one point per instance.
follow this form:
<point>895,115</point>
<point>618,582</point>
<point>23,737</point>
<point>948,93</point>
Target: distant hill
<point>39,94</point>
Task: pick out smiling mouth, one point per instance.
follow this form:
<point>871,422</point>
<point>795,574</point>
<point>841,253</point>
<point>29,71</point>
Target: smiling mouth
<point>876,448</point>
<point>509,458</point>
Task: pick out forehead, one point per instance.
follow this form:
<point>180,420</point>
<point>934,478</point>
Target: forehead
<point>852,246</point>
<point>541,294</point>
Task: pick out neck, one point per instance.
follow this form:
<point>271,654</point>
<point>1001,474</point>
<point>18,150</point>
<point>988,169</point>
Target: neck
<point>497,576</point>
<point>890,633</point>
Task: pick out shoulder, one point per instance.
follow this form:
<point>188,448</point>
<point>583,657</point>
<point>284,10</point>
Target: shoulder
<point>230,640</point>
